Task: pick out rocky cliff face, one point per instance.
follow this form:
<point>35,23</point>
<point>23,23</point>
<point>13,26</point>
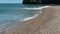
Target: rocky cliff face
<point>31,1</point>
<point>41,1</point>
<point>51,1</point>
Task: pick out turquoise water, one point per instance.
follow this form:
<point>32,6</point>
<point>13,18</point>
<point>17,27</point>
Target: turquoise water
<point>10,12</point>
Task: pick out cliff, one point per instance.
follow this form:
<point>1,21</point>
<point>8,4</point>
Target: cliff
<point>51,1</point>
<point>41,1</point>
<point>31,1</point>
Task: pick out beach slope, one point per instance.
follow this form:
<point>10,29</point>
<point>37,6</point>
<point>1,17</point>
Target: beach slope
<point>46,23</point>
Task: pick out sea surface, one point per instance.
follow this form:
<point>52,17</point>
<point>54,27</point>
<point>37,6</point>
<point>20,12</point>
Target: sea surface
<point>11,12</point>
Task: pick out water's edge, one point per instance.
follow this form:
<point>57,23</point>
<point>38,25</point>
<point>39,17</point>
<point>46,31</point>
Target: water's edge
<point>13,23</point>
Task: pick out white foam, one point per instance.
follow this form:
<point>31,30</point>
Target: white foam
<point>32,16</point>
<point>35,14</point>
<point>36,8</point>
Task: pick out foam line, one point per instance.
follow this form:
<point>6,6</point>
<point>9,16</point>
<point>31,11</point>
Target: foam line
<point>36,8</point>
<point>35,14</point>
<point>32,16</point>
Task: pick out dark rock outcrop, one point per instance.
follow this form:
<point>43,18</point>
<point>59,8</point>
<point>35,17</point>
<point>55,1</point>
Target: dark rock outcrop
<point>41,1</point>
<point>31,1</point>
<point>51,1</point>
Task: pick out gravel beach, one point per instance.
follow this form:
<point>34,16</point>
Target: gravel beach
<point>46,23</point>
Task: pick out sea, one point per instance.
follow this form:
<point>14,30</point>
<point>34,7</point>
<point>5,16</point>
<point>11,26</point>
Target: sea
<point>10,13</point>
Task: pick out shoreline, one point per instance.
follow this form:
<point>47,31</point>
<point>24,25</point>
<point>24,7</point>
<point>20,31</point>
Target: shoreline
<point>39,8</point>
<point>26,19</point>
<point>39,12</point>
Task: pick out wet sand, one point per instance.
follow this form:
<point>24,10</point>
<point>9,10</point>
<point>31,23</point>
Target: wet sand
<point>46,23</point>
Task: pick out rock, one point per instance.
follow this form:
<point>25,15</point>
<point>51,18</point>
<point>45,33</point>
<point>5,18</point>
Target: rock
<point>31,1</point>
<point>51,1</point>
<point>41,1</point>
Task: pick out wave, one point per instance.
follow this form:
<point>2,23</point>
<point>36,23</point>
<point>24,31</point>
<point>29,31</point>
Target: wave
<point>26,19</point>
<point>36,8</point>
